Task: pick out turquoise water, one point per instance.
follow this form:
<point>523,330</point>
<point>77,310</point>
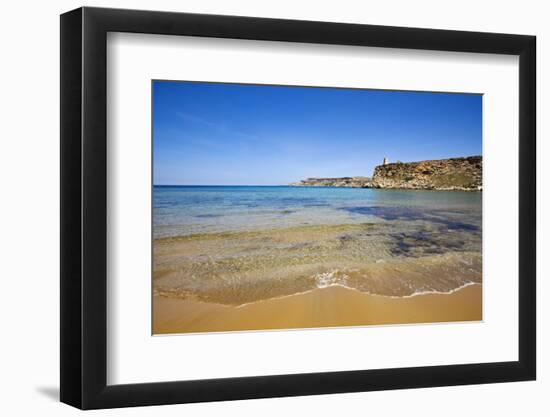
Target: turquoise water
<point>187,210</point>
<point>286,240</point>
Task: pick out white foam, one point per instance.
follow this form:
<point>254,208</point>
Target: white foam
<point>416,293</point>
<point>339,284</point>
<point>331,279</point>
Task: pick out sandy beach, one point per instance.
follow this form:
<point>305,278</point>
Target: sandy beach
<point>333,306</point>
<point>355,265</point>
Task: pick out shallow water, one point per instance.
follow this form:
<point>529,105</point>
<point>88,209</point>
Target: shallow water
<point>235,245</point>
<point>184,210</point>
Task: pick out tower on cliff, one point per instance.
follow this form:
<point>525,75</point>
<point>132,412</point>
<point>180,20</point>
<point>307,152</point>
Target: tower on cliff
<point>386,162</point>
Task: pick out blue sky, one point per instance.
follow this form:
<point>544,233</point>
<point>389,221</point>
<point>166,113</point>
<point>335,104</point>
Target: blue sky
<point>231,134</point>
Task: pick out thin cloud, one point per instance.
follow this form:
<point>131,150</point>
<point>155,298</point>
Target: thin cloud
<point>220,127</point>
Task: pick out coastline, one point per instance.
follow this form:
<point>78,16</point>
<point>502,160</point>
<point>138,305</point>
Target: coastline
<point>333,306</point>
<point>396,188</point>
<point>453,174</point>
<point>243,258</point>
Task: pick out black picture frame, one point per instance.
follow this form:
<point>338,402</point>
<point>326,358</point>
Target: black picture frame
<point>84,207</point>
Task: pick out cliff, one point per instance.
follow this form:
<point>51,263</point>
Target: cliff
<point>442,174</point>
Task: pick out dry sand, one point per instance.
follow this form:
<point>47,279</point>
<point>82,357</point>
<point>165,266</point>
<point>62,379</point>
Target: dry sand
<point>324,307</point>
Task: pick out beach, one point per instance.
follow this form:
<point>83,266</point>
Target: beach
<point>253,258</point>
<point>324,307</point>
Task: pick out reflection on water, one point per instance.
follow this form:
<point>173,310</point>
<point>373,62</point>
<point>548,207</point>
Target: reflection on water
<point>236,245</point>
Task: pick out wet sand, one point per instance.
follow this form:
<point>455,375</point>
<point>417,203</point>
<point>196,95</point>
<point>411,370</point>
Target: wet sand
<point>334,306</point>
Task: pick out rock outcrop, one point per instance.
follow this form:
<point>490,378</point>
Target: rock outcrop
<point>463,174</point>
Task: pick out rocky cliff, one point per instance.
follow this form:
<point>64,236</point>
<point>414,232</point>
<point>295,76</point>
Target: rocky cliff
<point>442,174</point>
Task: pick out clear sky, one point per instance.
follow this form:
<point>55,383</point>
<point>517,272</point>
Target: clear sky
<point>231,134</point>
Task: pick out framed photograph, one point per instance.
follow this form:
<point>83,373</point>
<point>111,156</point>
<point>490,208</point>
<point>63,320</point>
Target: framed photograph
<point>258,208</point>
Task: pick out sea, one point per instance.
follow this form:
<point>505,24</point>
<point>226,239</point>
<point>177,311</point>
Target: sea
<point>185,210</point>
<point>239,244</point>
